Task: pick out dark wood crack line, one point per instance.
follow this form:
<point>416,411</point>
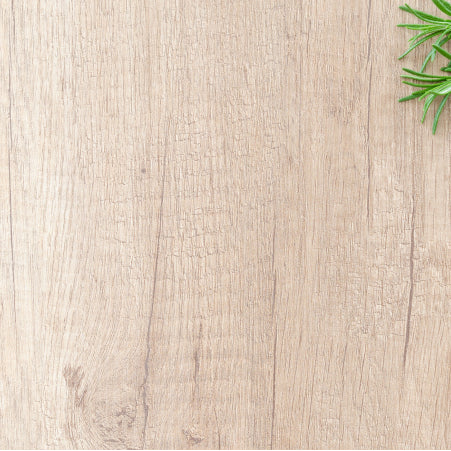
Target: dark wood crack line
<point>12,34</point>
<point>149,324</point>
<point>412,285</point>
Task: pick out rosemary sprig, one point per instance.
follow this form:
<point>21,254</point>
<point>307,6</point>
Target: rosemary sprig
<point>429,87</point>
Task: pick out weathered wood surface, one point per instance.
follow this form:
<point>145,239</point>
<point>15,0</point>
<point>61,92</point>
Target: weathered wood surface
<point>219,229</point>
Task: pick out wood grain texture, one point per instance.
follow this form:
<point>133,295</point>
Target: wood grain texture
<point>219,229</point>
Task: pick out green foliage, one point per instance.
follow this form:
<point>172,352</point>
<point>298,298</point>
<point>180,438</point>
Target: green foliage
<point>429,87</point>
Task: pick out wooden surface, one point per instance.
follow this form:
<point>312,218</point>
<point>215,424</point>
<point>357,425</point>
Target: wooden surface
<point>219,229</point>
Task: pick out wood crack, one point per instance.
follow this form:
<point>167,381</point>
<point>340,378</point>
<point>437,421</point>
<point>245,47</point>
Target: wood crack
<point>273,270</point>
<point>11,228</point>
<point>218,430</point>
<point>149,324</point>
<point>273,410</point>
<point>412,285</point>
<point>369,115</point>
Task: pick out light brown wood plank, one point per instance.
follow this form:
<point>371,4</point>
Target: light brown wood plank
<point>219,229</point>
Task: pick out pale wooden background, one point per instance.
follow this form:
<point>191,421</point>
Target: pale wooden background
<point>214,218</point>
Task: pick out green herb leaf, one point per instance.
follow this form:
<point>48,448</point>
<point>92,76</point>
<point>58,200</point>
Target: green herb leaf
<point>414,46</point>
<point>443,6</point>
<point>423,16</point>
<point>442,51</point>
<point>439,112</point>
<point>429,86</point>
